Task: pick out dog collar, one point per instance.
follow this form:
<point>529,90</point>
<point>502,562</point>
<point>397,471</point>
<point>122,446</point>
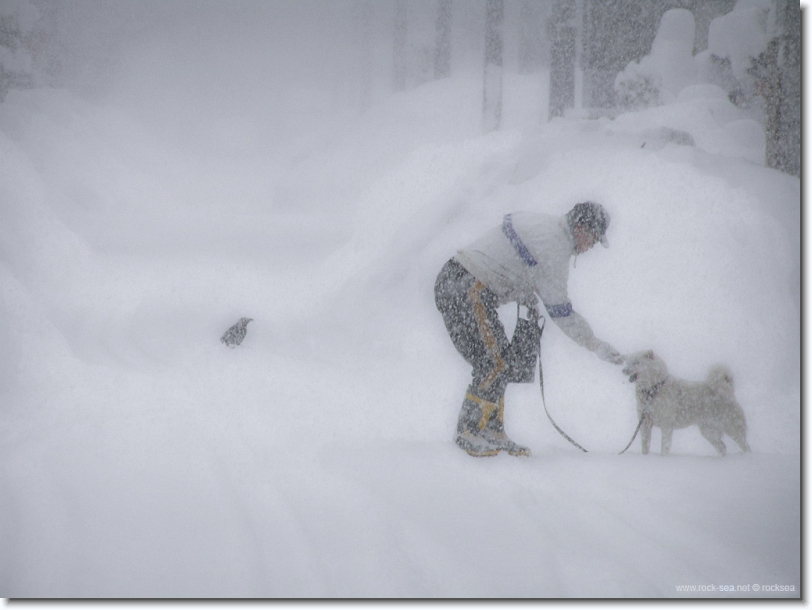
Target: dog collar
<point>653,391</point>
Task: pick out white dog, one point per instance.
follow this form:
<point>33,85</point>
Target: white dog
<point>668,403</point>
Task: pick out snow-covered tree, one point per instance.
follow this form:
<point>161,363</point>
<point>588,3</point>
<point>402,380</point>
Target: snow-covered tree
<point>615,33</point>
<point>754,54</point>
<point>659,76</point>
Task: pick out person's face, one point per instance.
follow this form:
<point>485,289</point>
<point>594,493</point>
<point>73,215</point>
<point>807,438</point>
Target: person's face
<point>584,239</point>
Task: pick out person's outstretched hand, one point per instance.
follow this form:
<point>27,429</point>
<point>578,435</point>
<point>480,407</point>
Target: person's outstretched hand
<point>608,353</point>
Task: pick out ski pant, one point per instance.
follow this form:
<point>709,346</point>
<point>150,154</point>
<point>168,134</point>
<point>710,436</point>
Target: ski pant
<point>470,316</point>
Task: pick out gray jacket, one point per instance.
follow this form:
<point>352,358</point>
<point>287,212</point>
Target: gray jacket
<point>493,259</point>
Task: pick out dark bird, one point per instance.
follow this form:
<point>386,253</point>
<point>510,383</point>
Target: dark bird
<point>236,333</point>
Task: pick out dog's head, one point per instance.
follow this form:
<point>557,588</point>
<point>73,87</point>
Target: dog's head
<point>644,366</point>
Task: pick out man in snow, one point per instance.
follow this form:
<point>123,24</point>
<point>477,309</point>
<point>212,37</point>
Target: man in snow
<point>527,256</point>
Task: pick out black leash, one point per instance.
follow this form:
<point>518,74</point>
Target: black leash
<point>636,430</point>
<point>544,402</point>
<point>649,396</point>
<point>559,430</point>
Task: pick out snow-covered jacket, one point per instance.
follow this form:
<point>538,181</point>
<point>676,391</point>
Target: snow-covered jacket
<point>529,255</point>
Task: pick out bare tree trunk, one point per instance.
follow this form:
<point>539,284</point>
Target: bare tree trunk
<point>530,37</point>
<point>401,34</point>
<point>562,58</point>
<point>365,12</point>
<point>442,50</point>
<point>777,78</point>
<point>786,150</point>
<point>492,89</point>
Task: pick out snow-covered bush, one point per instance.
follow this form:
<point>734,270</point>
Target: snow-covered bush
<point>636,89</point>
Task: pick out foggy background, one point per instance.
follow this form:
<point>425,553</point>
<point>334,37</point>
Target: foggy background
<point>169,167</point>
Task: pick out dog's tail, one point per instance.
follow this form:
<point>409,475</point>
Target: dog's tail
<point>721,378</point>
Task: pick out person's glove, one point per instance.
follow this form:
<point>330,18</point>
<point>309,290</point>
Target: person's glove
<point>606,352</point>
<point>533,313</point>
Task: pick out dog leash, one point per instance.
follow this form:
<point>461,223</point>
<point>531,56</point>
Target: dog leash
<point>558,429</point>
<point>636,430</point>
<point>649,396</point>
<point>544,402</point>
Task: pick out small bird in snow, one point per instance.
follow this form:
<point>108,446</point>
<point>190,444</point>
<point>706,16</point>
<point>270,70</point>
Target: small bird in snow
<point>236,333</point>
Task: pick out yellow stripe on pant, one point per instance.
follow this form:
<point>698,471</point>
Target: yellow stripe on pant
<point>481,317</point>
<point>487,408</point>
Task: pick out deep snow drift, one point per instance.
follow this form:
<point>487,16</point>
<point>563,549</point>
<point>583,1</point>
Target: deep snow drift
<point>143,458</point>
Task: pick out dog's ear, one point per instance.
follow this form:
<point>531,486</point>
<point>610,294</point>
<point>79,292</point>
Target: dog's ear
<point>649,354</point>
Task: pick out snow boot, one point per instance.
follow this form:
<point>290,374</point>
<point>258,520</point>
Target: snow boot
<point>474,416</point>
<point>495,432</point>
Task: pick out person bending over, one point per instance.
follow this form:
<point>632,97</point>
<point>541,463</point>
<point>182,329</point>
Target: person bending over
<point>525,258</point>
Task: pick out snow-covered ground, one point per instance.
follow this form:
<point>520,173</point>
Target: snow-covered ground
<point>141,458</point>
